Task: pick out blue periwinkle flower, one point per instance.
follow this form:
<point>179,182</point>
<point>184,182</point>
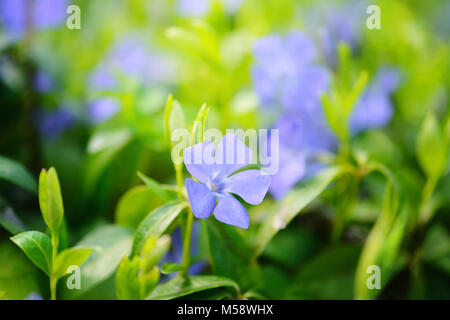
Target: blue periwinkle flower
<point>193,8</point>
<point>214,169</point>
<point>335,23</point>
<point>175,255</point>
<point>374,109</point>
<point>43,82</point>
<point>44,14</point>
<point>103,109</point>
<point>285,73</point>
<point>131,58</point>
<point>53,123</point>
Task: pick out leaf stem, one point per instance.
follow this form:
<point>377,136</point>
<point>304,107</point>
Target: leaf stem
<point>179,177</point>
<point>55,243</point>
<point>187,243</point>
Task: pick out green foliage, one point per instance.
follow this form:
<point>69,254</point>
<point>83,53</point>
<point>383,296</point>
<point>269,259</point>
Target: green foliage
<point>180,287</point>
<point>38,247</point>
<point>156,223</point>
<point>16,173</point>
<point>50,199</point>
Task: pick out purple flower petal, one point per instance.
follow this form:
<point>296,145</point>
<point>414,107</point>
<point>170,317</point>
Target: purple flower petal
<point>292,169</point>
<point>231,155</point>
<point>199,160</point>
<point>250,185</point>
<point>231,211</point>
<point>201,198</point>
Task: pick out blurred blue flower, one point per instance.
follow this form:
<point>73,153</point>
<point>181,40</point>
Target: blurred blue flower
<point>175,255</point>
<point>33,296</point>
<point>130,58</point>
<point>43,82</point>
<point>285,73</point>
<point>193,8</point>
<point>214,170</point>
<point>52,124</point>
<point>44,14</point>
<point>374,109</point>
<point>335,23</point>
<point>103,109</point>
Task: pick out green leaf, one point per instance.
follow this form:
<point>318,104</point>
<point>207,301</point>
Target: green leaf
<point>154,186</point>
<point>230,255</point>
<point>179,287</point>
<point>9,220</point>
<point>173,118</point>
<point>198,129</point>
<point>168,268</point>
<point>38,247</point>
<point>135,204</point>
<point>50,199</point>
<point>330,275</point>
<point>153,251</point>
<point>18,276</point>
<point>294,202</point>
<point>114,242</point>
<point>72,256</point>
<point>156,223</point>
<point>148,282</point>
<point>431,147</point>
<point>16,173</point>
<point>127,282</point>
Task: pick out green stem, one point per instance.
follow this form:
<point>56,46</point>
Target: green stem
<point>55,243</point>
<point>179,177</point>
<point>187,243</point>
<point>427,192</point>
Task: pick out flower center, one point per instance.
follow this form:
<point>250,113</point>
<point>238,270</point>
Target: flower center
<point>216,185</point>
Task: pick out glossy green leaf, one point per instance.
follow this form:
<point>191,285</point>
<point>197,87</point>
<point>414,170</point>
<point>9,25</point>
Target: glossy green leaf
<point>431,147</point>
<point>168,268</point>
<point>113,242</point>
<point>135,204</point>
<point>156,223</point>
<point>50,199</point>
<point>198,129</point>
<point>179,287</point>
<point>330,275</point>
<point>16,173</point>
<point>127,282</point>
<point>154,186</point>
<point>75,256</point>
<point>38,247</point>
<point>173,118</point>
<point>294,202</point>
<point>230,254</point>
<point>18,276</point>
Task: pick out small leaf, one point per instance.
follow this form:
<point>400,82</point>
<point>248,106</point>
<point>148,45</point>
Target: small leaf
<point>38,247</point>
<point>50,199</point>
<point>72,256</point>
<point>198,129</point>
<point>173,118</point>
<point>114,242</point>
<point>127,282</point>
<point>294,202</point>
<point>14,172</point>
<point>156,223</point>
<point>135,204</point>
<point>148,282</point>
<point>153,251</point>
<point>179,287</point>
<point>230,254</point>
<point>154,186</point>
<point>431,147</point>
<point>168,268</point>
